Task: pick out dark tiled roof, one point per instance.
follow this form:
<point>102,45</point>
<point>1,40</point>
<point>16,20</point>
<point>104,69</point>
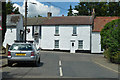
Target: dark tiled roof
<point>35,21</point>
<point>100,22</point>
<point>69,20</point>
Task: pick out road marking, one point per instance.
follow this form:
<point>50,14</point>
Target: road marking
<point>60,63</point>
<point>106,67</point>
<point>61,72</point>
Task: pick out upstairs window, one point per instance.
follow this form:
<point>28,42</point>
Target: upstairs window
<point>74,30</point>
<point>56,29</point>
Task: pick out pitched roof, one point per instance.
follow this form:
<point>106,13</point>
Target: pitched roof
<point>12,20</point>
<point>100,22</point>
<point>34,21</point>
<point>69,20</point>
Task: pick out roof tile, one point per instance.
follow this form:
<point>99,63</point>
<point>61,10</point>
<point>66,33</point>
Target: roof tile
<point>100,22</point>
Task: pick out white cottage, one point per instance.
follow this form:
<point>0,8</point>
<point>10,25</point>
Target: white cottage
<point>15,29</point>
<point>71,33</point>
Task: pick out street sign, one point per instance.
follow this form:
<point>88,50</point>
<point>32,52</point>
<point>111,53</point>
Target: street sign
<point>0,27</point>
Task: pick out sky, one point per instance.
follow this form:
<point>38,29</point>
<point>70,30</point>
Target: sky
<point>41,8</point>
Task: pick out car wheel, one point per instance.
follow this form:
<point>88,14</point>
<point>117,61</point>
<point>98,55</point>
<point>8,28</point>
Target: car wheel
<point>9,63</point>
<point>36,63</point>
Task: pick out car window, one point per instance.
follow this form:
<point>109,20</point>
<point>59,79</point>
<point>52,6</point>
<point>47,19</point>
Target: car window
<point>21,47</point>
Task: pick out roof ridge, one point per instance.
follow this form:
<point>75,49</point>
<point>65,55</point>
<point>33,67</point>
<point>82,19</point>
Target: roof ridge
<point>71,16</point>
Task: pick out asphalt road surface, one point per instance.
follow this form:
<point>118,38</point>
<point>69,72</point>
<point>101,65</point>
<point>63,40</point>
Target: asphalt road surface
<point>60,65</point>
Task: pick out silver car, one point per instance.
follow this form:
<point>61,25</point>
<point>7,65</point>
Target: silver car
<point>23,52</point>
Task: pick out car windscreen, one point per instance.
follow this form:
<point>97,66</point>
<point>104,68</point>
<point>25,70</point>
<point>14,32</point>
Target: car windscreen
<point>22,47</point>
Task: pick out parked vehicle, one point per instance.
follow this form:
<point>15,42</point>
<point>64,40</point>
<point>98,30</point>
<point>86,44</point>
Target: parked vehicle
<point>23,52</point>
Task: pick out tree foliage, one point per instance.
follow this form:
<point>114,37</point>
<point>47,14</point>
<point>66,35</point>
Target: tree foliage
<point>70,11</point>
<point>101,8</point>
<point>10,9</point>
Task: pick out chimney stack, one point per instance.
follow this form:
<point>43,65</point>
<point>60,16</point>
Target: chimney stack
<point>49,14</point>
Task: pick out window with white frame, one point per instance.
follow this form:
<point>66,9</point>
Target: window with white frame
<point>74,30</point>
<point>80,44</point>
<point>56,29</point>
<point>56,43</point>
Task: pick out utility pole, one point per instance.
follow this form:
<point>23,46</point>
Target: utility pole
<point>25,20</point>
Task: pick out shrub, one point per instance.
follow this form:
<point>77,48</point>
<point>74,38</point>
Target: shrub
<point>116,57</point>
<point>110,40</point>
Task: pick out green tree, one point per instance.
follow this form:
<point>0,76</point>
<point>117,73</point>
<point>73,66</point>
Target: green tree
<point>85,8</point>
<point>101,8</point>
<point>82,8</point>
<point>70,11</point>
<point>114,8</point>
<point>39,16</point>
<point>10,9</point>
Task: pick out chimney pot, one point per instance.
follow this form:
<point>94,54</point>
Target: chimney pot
<point>49,14</point>
<point>93,13</point>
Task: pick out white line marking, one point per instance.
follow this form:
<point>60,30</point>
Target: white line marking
<point>61,73</point>
<point>107,67</point>
<point>60,63</point>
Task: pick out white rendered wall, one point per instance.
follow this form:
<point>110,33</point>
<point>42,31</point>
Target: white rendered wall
<point>96,42</point>
<point>10,36</point>
<point>30,37</point>
<point>83,33</point>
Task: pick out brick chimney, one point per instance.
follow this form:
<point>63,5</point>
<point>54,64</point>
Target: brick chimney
<point>49,14</point>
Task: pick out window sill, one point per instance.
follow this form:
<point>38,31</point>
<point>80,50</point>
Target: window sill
<point>80,49</point>
<point>74,34</point>
<point>56,35</point>
<point>56,49</point>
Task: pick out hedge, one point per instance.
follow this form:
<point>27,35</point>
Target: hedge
<point>110,40</point>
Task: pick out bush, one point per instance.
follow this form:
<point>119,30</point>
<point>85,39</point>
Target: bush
<point>110,40</point>
<point>116,57</point>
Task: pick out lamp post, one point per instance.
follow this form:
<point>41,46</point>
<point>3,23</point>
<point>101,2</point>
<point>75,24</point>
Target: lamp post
<point>25,19</point>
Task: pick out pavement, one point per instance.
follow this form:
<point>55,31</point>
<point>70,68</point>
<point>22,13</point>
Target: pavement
<point>100,60</point>
<point>3,59</point>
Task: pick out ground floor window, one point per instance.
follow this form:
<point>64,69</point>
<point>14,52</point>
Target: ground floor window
<point>80,44</point>
<point>56,43</point>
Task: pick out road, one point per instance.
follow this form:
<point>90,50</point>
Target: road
<point>60,65</point>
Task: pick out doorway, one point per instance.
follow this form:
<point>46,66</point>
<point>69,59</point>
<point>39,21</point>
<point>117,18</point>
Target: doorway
<point>72,46</point>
